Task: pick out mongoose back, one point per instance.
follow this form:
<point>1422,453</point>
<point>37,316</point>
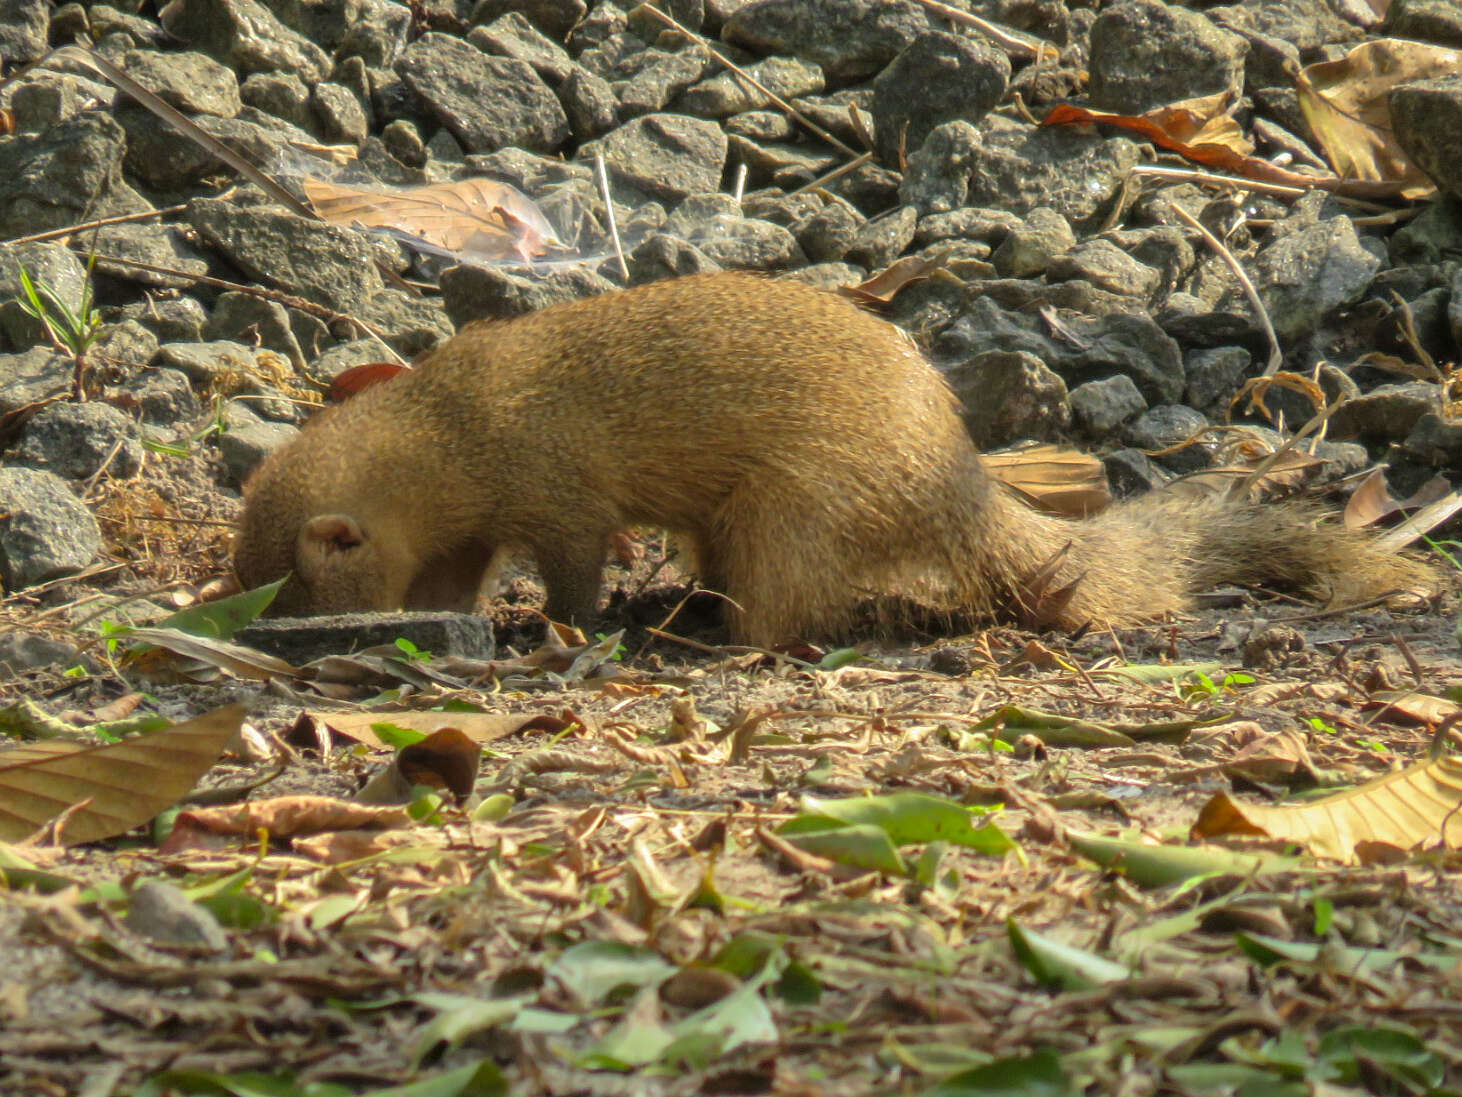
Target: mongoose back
<point>806,448</point>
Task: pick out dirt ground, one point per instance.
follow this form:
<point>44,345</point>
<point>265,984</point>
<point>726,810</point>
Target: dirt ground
<point>669,894</point>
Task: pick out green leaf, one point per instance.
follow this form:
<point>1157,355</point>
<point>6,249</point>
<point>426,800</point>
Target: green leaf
<point>595,969</point>
<point>203,1083</point>
<point>397,737</point>
<point>1058,966</point>
<point>1397,1052</point>
<point>1153,673</point>
<point>1159,866</point>
<point>482,1079</point>
<point>223,618</point>
<point>1265,950</point>
<point>867,847</point>
<point>839,658</point>
<point>459,1016</point>
<point>1052,729</point>
<point>906,817</point>
<point>1035,1075</point>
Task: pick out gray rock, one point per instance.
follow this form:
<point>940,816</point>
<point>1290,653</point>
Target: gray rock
<point>105,21</point>
<point>26,651</point>
<point>1214,377</point>
<point>596,28</point>
<point>343,356</point>
<point>590,104</point>
<point>410,324</point>
<point>869,188</point>
<point>339,117</point>
<point>1169,425</point>
<point>23,28</point>
<point>880,241</point>
<point>245,36</point>
<point>282,94</point>
<point>156,246</point>
<point>205,364</point>
<point>378,42</point>
<point>1147,54</point>
<point>826,235</point>
<point>1386,414</point>
<point>1008,396</point>
<point>1164,248</point>
<point>1438,21</point>
<point>70,172</point>
<point>77,440</point>
<point>478,293</point>
<point>47,98</point>
<point>159,157</point>
<point>1435,441</point>
<point>164,915</point>
<point>828,276</point>
<point>326,264</point>
<point>937,176</point>
<point>1131,472</point>
<point>554,18</point>
<point>1106,266</point>
<point>46,532</point>
<point>664,256</point>
<point>403,141</point>
<point>832,112</point>
<point>781,164</point>
<point>252,320</point>
<point>32,376</point>
<point>1427,117</point>
<point>1097,346</point>
<point>726,93</point>
<point>662,156</point>
<point>164,397</point>
<point>937,78</point>
<point>127,346</point>
<point>486,102</point>
<point>761,126</point>
<point>1306,274</point>
<point>988,226</point>
<point>1019,167</point>
<point>659,76</point>
<point>49,265</point>
<point>192,82</point>
<point>850,39</point>
<point>172,320</point>
<point>1098,408</point>
<point>744,243</point>
<point>301,639</point>
<point>245,446</point>
<point>1030,248</point>
<point>512,35</point>
<point>1310,25</point>
<point>1432,235</point>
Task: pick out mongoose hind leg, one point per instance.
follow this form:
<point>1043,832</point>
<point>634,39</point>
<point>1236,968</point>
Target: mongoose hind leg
<point>571,564</point>
<point>452,580</point>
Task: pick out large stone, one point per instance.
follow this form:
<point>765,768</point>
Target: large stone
<point>664,156</point>
<point>45,531</point>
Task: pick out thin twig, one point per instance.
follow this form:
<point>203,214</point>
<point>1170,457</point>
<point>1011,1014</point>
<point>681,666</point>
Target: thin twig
<point>836,173</point>
<point>289,300</point>
<point>1190,175</point>
<point>100,222</point>
<point>742,74</point>
<point>1011,41</point>
<point>1276,356</point>
<point>602,174</point>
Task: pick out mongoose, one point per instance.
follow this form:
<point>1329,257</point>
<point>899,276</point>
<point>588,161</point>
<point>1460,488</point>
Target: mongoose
<point>805,447</point>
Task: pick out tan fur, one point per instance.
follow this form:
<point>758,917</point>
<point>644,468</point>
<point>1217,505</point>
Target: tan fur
<point>808,450</point>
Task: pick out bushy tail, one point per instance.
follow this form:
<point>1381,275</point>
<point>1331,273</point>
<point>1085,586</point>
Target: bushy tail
<point>1139,560</point>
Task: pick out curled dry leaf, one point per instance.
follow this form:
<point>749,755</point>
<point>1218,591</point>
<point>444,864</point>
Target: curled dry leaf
<point>108,789</point>
<point>1370,502</point>
<point>1411,808</point>
<point>476,218</point>
<point>1055,479</point>
<point>281,817</point>
<point>1345,103</point>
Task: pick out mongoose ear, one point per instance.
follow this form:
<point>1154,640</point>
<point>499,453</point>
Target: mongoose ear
<point>332,532</point>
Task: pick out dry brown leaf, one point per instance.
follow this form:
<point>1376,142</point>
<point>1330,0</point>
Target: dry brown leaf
<point>242,661</point>
<point>482,727</point>
<point>1344,102</point>
<point>1056,479</point>
<point>478,218</point>
<point>444,760</point>
<point>1370,502</point>
<point>1287,473</point>
<point>1407,707</point>
<point>108,789</point>
<point>1416,806</point>
<point>280,816</point>
<point>1420,523</point>
<point>885,285</point>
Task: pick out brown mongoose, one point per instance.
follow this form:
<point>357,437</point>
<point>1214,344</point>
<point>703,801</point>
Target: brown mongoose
<point>806,448</point>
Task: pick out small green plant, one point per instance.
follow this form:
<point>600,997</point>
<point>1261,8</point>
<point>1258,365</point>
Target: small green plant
<point>1200,685</point>
<point>619,649</point>
<point>71,331</point>
<point>1317,724</point>
<point>413,653</point>
<point>183,447</point>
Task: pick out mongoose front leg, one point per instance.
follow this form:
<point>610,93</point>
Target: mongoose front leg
<point>572,568</point>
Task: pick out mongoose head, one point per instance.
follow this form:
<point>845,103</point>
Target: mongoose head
<point>336,562</point>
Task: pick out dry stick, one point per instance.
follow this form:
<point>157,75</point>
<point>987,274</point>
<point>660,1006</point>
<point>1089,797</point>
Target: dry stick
<point>1276,356</point>
<point>742,74</point>
<point>836,173</point>
<point>185,125</point>
<point>1189,175</point>
<point>739,189</point>
<point>601,173</point>
<point>100,222</point>
<point>1012,41</point>
<point>287,299</point>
